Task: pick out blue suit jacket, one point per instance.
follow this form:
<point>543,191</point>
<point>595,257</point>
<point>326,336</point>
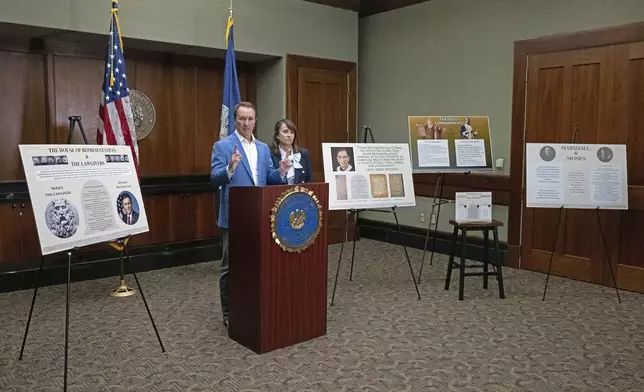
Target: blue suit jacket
<point>222,151</point>
<point>305,174</point>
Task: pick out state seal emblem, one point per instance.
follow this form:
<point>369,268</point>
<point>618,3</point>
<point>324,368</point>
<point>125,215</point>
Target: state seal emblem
<point>145,116</point>
<point>296,219</point>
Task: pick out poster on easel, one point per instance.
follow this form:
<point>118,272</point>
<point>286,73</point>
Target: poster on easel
<point>450,143</point>
<point>576,176</point>
<point>82,194</point>
<point>368,175</point>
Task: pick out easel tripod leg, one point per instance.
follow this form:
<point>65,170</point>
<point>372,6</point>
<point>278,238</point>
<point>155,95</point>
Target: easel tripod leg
<point>337,271</point>
<point>31,310</point>
<point>402,241</point>
<point>127,255</point>
<point>69,273</point>
<point>353,252</point>
<point>607,258</point>
<point>438,215</point>
<point>555,236</point>
<point>438,191</point>
<point>429,229</point>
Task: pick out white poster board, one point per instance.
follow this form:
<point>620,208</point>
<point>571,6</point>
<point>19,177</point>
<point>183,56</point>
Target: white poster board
<point>581,176</point>
<point>82,194</point>
<point>473,207</point>
<point>368,175</point>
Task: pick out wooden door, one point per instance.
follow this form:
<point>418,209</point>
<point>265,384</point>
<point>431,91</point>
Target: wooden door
<point>23,118</point>
<point>629,128</point>
<point>564,90</point>
<point>10,237</point>
<point>322,112</point>
<point>29,241</point>
<point>322,103</point>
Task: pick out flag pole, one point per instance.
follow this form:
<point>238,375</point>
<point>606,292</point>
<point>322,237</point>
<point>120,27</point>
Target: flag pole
<point>119,244</point>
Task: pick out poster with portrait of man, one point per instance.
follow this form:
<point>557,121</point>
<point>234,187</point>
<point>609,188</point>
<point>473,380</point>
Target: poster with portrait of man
<point>82,194</point>
<point>450,143</point>
<point>368,175</point>
<point>576,176</point>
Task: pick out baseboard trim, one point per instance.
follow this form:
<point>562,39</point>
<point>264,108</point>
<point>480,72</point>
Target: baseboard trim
<point>104,264</point>
<point>415,238</point>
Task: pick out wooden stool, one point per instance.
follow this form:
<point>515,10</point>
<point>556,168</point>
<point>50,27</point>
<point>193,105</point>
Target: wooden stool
<point>485,227</point>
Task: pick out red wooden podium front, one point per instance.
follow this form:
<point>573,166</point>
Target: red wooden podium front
<point>276,298</point>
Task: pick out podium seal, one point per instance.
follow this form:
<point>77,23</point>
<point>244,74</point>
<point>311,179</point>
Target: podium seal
<point>296,219</point>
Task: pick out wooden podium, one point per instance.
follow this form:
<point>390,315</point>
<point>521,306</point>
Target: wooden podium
<point>277,298</point>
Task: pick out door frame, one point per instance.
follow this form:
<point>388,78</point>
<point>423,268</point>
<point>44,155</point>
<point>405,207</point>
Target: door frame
<point>622,34</point>
<point>293,63</point>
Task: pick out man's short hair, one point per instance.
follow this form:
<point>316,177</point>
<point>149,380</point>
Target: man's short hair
<point>243,104</point>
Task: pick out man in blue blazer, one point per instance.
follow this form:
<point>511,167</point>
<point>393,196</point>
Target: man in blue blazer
<point>256,169</point>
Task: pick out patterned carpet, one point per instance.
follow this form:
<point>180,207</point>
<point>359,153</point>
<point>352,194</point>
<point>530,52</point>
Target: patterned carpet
<point>380,337</point>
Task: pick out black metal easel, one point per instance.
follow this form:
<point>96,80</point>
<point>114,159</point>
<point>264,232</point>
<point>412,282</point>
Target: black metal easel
<point>367,132</point>
<point>366,129</point>
<point>438,190</point>
<point>575,139</point>
<point>69,267</point>
<point>73,120</point>
<point>122,242</point>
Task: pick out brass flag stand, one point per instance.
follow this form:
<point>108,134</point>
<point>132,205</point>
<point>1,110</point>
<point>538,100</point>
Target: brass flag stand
<point>123,290</point>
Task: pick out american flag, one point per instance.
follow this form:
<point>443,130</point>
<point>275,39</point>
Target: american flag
<point>117,122</point>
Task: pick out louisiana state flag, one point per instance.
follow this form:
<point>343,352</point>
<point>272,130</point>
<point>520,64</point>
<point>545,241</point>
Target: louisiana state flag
<point>231,95</point>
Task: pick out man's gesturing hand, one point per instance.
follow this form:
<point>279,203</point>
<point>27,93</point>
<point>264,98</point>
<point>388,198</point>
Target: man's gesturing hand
<point>234,160</point>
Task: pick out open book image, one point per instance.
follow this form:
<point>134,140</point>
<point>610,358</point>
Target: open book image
<point>379,186</point>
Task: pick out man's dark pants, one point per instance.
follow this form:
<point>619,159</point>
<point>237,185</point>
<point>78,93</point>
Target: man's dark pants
<point>223,275</point>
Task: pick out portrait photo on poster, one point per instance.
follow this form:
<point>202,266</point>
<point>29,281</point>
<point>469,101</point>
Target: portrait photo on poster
<point>62,219</point>
<point>605,154</point>
<point>343,159</point>
<point>49,160</point>
<point>116,158</point>
<point>547,153</point>
<point>127,207</point>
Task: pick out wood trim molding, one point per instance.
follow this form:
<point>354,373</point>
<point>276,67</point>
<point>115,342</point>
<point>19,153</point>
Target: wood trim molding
<point>319,63</point>
<point>623,34</point>
<point>425,183</point>
<point>628,33</point>
<point>103,263</point>
<point>414,237</point>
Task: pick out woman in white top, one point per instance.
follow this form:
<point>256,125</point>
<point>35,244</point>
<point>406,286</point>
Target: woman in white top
<point>285,142</point>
